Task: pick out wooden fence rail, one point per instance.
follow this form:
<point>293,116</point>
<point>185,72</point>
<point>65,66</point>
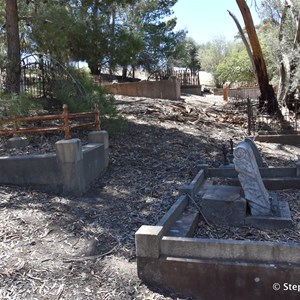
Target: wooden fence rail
<point>66,126</point>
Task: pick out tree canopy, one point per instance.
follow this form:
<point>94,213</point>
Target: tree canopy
<point>104,33</point>
<point>115,34</point>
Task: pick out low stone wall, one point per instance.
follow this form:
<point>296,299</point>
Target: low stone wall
<point>286,139</point>
<point>243,93</point>
<point>164,89</point>
<point>192,89</point>
<point>240,93</point>
<point>71,170</point>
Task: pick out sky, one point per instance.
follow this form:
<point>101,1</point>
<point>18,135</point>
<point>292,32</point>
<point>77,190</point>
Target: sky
<point>208,19</point>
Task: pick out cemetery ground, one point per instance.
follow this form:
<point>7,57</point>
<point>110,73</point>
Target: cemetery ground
<point>63,247</point>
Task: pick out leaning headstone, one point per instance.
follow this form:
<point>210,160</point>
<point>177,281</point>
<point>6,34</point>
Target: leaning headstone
<point>255,192</point>
<point>259,160</point>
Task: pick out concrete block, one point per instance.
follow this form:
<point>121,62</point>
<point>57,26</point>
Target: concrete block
<point>69,151</point>
<point>147,241</point>
<point>234,250</point>
<point>17,142</point>
<point>99,137</point>
<point>174,212</point>
<point>217,279</point>
<point>193,188</point>
<point>70,159</point>
<point>298,167</point>
<point>224,204</point>
<point>185,225</point>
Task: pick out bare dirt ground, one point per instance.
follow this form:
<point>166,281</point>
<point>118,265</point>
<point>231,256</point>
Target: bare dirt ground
<point>59,247</point>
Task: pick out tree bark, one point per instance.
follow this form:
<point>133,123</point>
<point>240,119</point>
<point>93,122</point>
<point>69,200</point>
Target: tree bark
<point>266,90</point>
<point>13,47</point>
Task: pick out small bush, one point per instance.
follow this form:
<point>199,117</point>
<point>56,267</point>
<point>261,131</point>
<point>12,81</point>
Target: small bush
<point>13,105</point>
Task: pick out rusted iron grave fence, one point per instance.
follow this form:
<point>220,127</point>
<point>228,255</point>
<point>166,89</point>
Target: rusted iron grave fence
<point>66,125</point>
<point>259,121</point>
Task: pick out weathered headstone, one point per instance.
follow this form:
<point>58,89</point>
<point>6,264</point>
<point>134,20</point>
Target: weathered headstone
<point>259,160</point>
<point>228,204</point>
<point>250,179</point>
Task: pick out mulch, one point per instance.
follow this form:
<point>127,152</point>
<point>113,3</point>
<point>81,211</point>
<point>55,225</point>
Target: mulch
<point>59,247</point>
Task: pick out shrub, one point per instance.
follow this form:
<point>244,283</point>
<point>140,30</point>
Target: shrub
<point>81,93</point>
<point>13,105</point>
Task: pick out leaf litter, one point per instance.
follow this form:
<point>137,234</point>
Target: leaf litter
<point>60,247</point>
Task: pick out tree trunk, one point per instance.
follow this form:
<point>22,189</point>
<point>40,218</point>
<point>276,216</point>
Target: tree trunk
<point>266,90</point>
<point>93,66</point>
<point>124,73</point>
<point>13,47</point>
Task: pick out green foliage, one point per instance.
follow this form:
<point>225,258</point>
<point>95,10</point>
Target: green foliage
<point>105,33</point>
<point>268,36</point>
<point>53,31</point>
<point>151,21</point>
<point>270,11</point>
<point>235,68</point>
<point>212,53</point>
<point>13,105</point>
<point>133,44</point>
<point>187,54</point>
<point>83,94</point>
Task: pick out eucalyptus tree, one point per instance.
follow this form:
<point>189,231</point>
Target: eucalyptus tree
<point>235,66</point>
<point>283,17</point>
<point>258,61</point>
<point>212,53</point>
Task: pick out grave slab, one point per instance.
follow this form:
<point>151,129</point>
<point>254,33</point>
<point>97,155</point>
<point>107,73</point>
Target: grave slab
<point>283,220</point>
<point>224,204</point>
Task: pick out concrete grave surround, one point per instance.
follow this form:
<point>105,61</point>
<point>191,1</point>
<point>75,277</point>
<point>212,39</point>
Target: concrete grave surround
<point>71,170</point>
<point>228,205</point>
<point>169,258</point>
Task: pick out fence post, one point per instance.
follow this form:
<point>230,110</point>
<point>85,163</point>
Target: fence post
<point>97,118</point>
<point>66,122</point>
<point>249,114</point>
<point>225,92</point>
<point>70,161</point>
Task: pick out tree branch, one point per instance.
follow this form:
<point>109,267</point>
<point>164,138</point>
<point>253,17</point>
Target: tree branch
<point>245,42</point>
